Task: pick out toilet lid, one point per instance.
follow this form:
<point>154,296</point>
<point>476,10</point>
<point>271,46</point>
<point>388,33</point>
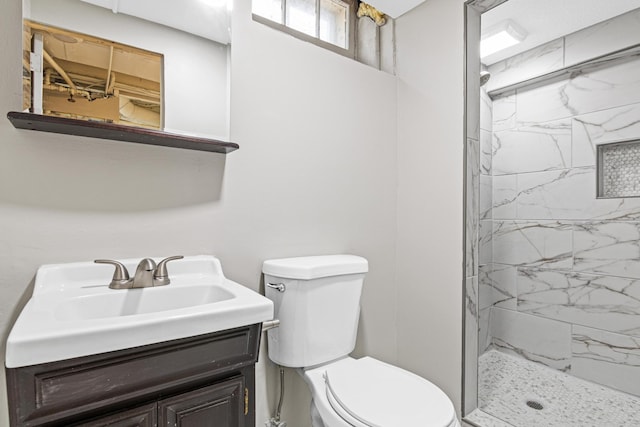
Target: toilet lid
<point>376,394</point>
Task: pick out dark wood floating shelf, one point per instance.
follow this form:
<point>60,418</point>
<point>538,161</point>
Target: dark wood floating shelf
<point>115,132</point>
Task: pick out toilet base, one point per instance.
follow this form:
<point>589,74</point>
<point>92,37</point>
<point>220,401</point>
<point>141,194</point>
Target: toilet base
<point>316,419</point>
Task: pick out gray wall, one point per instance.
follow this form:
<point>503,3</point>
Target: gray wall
<point>315,173</point>
<point>430,182</point>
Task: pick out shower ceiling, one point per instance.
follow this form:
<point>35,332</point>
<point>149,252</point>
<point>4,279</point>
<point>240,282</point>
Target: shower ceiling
<point>546,20</point>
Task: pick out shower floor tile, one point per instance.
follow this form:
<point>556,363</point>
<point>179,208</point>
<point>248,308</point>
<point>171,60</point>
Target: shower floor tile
<point>510,389</point>
<point>480,418</point>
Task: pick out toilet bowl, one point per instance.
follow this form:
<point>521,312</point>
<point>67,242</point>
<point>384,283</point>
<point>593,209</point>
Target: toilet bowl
<point>317,300</point>
<point>369,393</point>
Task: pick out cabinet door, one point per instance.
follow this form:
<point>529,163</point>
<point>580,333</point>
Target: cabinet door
<point>218,405</point>
<point>143,416</point>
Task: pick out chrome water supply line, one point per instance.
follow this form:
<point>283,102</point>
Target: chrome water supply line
<point>275,421</point>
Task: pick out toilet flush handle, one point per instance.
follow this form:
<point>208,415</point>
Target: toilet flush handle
<point>280,287</point>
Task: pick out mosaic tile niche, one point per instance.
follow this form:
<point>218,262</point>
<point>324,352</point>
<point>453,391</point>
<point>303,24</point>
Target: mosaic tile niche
<point>619,169</point>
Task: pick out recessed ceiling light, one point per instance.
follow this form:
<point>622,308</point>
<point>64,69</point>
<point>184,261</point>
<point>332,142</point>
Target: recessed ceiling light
<point>501,36</point>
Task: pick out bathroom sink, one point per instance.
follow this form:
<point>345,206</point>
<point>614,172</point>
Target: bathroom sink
<point>140,301</point>
<point>73,313</point>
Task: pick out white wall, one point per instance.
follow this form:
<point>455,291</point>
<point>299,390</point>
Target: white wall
<point>315,174</point>
<point>430,55</point>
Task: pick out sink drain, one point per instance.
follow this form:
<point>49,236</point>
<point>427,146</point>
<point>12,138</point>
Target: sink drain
<point>534,405</point>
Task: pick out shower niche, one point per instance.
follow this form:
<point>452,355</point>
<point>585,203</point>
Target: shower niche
<point>618,167</point>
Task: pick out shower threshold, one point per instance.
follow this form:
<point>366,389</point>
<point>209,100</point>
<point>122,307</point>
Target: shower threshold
<point>516,392</point>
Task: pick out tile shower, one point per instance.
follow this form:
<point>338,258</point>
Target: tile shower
<point>558,269</point>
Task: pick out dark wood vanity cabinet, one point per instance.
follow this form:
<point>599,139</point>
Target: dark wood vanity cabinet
<point>203,381</point>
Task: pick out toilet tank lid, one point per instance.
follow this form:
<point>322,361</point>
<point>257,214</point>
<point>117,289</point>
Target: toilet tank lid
<point>314,267</point>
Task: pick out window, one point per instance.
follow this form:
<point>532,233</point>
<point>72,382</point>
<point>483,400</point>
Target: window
<point>328,23</point>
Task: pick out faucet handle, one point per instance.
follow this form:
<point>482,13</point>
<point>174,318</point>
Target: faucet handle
<point>161,277</point>
<point>120,278</point>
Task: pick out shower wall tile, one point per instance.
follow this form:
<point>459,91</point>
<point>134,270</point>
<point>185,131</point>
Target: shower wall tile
<point>605,302</point>
<point>485,289</point>
<point>471,305</point>
<point>533,243</point>
<point>565,194</point>
<point>606,358</point>
<point>505,193</point>
<point>472,206</point>
<point>504,112</point>
<point>486,190</point>
<point>485,242</point>
<point>503,280</point>
<point>471,342</point>
<point>484,336</point>
<point>615,124</point>
<point>569,194</point>
<point>532,63</point>
<point>543,103</point>
<point>486,151</point>
<point>608,247</point>
<point>486,110</point>
<point>497,286</point>
<point>594,90</point>
<point>471,261</point>
<point>534,338</point>
<point>472,86</point>
<point>600,39</point>
<point>534,148</point>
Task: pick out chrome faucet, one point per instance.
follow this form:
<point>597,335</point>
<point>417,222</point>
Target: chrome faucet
<point>148,274</point>
<point>144,274</point>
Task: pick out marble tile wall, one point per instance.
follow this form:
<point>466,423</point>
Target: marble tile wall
<point>472,215</point>
<point>477,193</point>
<point>485,225</point>
<point>558,269</point>
<point>617,33</point>
<point>472,227</point>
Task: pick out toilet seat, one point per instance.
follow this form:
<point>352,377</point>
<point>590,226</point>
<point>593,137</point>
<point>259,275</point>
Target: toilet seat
<point>371,393</point>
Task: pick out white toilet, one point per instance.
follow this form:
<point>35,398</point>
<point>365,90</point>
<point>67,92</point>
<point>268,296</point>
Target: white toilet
<point>317,300</point>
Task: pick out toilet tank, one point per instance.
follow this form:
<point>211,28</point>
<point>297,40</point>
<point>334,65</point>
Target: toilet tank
<point>317,300</point>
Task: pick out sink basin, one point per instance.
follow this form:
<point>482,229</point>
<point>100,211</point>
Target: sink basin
<point>140,301</point>
<point>73,313</point>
